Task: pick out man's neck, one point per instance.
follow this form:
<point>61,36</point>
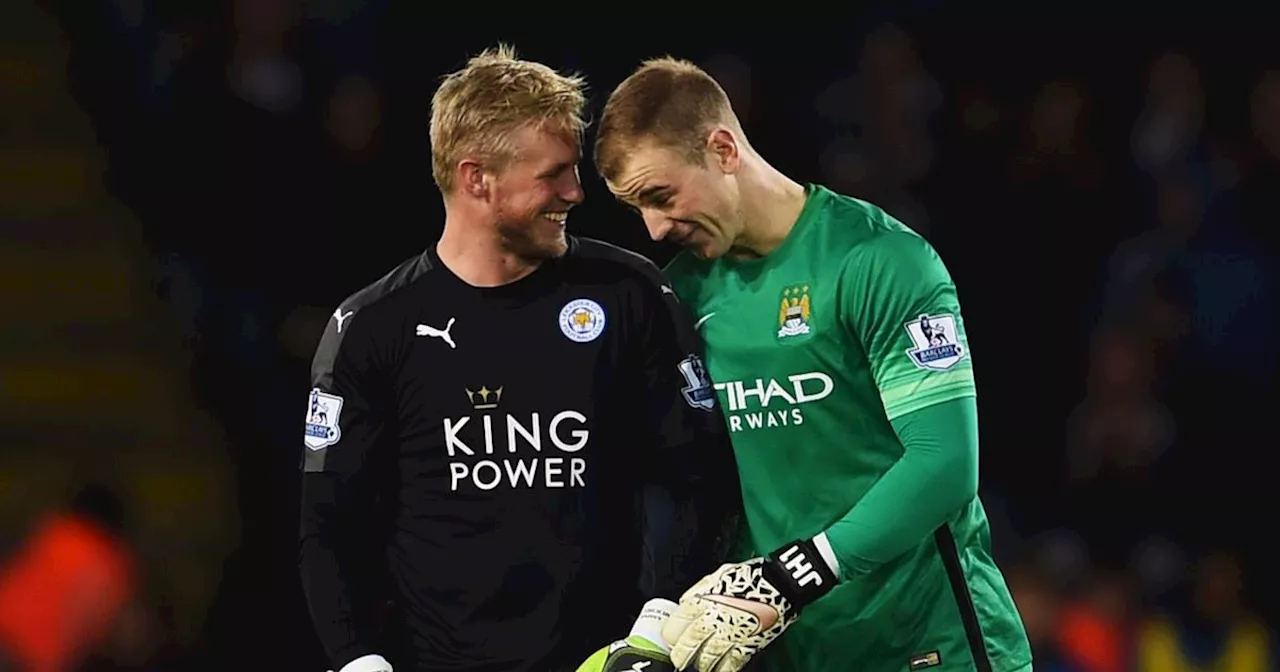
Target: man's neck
<point>771,204</point>
<point>473,253</point>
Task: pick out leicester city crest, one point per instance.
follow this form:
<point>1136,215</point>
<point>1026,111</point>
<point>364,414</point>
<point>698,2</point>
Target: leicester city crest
<point>936,341</point>
<point>582,320</point>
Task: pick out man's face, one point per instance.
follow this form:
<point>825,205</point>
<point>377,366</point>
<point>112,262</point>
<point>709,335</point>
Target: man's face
<point>695,206</point>
<point>532,196</point>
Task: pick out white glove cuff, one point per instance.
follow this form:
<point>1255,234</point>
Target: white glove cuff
<point>370,663</point>
<point>649,624</point>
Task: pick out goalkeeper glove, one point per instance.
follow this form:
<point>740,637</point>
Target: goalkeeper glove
<point>641,651</point>
<point>370,663</point>
<point>735,611</point>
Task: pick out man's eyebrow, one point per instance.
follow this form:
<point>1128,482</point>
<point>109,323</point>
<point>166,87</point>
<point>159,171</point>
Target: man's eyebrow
<point>557,169</point>
<point>649,193</point>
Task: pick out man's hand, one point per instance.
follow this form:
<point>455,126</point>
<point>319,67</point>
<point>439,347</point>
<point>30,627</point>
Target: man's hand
<point>735,611</point>
<point>642,650</point>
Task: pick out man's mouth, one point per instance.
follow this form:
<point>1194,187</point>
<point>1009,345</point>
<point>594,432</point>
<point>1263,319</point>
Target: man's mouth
<point>558,217</point>
<point>683,237</point>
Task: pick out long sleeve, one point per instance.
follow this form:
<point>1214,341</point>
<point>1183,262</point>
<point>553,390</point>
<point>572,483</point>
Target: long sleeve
<point>937,474</point>
<point>693,498</point>
<point>344,425</point>
<point>898,300</point>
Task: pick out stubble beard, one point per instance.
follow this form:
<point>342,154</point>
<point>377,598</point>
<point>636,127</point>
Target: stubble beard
<point>531,239</point>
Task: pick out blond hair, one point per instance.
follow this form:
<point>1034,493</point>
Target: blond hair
<point>476,109</point>
<point>666,102</point>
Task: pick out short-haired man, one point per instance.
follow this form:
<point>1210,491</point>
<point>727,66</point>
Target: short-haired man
<point>504,398</point>
<point>835,336</point>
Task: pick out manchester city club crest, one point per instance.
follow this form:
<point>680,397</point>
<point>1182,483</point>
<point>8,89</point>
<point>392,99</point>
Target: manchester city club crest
<point>795,315</point>
<point>322,420</point>
<point>582,320</point>
<point>937,342</point>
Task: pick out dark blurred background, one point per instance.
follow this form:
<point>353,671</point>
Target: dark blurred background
<point>188,189</point>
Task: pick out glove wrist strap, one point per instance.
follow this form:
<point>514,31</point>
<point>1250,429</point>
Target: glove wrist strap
<point>798,571</point>
<point>649,624</point>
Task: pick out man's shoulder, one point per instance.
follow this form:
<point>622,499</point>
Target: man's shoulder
<point>381,291</point>
<point>696,281</point>
<point>599,257</point>
<point>357,309</point>
<point>687,264</point>
<point>856,221</point>
<point>859,229</point>
<point>844,206</point>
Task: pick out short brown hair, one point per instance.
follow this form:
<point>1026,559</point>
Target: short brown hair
<point>476,108</point>
<point>668,102</point>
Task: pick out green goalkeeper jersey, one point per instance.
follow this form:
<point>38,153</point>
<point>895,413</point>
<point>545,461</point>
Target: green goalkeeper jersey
<point>818,351</point>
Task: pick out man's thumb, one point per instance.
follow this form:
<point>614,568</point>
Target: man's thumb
<point>678,622</point>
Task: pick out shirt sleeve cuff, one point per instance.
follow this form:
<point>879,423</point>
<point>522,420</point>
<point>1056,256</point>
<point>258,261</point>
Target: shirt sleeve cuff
<point>828,554</point>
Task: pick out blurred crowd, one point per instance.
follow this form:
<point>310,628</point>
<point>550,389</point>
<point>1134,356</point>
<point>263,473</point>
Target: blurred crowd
<point>1108,212</point>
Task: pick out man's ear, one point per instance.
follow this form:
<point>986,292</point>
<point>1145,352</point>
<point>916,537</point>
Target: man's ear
<point>722,146</point>
<point>471,179</point>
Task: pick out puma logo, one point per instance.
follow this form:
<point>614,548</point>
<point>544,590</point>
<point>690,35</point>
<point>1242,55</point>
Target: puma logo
<point>442,334</point>
<point>342,317</point>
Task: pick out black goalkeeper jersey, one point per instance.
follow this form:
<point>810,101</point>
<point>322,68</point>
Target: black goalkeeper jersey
<point>488,447</point>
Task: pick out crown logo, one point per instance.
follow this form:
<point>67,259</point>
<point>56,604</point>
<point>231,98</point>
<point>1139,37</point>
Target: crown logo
<point>484,398</point>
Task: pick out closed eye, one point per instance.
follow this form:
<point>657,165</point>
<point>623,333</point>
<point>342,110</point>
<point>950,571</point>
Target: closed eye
<point>655,197</point>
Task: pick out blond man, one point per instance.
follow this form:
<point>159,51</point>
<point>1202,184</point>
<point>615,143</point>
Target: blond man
<point>505,396</point>
<point>835,337</point>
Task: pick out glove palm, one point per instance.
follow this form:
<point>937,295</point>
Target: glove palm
<point>735,611</point>
<point>725,618</point>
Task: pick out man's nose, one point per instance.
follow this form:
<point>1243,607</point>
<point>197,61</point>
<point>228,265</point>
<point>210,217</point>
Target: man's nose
<point>658,225</point>
<point>571,191</point>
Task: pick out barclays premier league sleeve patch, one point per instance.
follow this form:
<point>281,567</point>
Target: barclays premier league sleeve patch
<point>936,342</point>
<point>322,420</point>
<point>698,390</point>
